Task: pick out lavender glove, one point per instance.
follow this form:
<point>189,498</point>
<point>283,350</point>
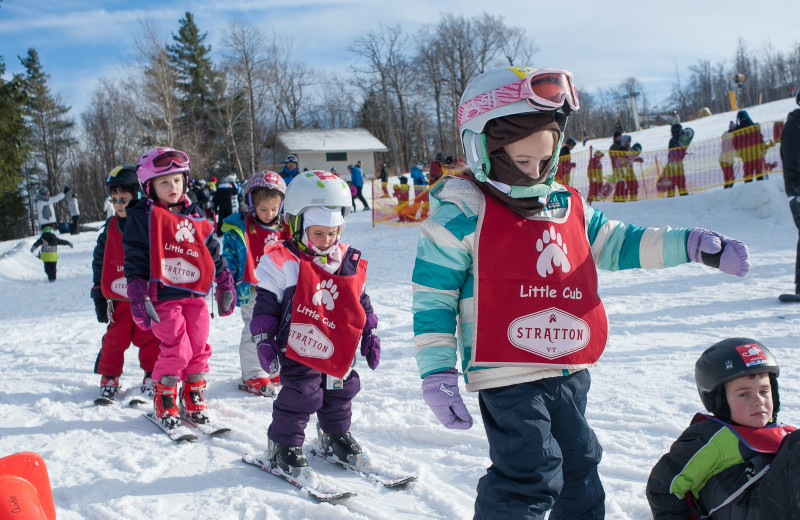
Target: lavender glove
<point>264,327</point>
<point>370,342</point>
<point>142,309</point>
<point>713,249</point>
<point>226,293</point>
<point>440,392</point>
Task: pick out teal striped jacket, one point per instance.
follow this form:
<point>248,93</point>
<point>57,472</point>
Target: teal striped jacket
<point>443,275</point>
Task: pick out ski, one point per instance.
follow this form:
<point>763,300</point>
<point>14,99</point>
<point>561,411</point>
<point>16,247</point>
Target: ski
<point>789,298</point>
<point>269,390</point>
<point>389,481</point>
<point>103,401</point>
<point>138,401</point>
<point>210,428</point>
<point>181,433</point>
<point>308,480</point>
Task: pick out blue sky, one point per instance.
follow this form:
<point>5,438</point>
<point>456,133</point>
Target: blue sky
<point>81,42</point>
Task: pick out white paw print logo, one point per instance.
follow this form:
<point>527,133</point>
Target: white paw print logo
<point>326,293</point>
<point>185,231</point>
<point>554,253</point>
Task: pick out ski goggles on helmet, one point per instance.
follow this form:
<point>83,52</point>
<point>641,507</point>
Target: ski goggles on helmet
<point>165,160</point>
<point>544,89</point>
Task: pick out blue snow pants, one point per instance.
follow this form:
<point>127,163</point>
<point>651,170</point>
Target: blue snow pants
<point>544,454</point>
<point>303,392</point>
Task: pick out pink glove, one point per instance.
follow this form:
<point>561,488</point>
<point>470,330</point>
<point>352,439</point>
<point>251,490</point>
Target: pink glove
<point>226,293</point>
<point>142,309</point>
<point>370,342</point>
<point>713,249</point>
<point>440,392</point>
<point>264,328</point>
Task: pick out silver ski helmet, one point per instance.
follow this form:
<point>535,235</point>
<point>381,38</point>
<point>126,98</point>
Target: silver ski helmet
<point>727,360</point>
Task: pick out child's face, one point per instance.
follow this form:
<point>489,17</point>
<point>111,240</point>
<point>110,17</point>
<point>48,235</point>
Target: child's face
<point>322,237</point>
<point>120,199</point>
<point>268,208</point>
<point>750,400</point>
<point>168,188</point>
<point>532,154</point>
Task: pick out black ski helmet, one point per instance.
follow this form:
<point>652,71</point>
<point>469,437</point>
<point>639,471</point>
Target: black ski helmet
<point>727,360</point>
<point>676,129</point>
<point>124,177</point>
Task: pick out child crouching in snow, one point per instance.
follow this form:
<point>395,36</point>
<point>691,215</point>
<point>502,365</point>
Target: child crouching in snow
<point>311,312</point>
<point>171,261</point>
<point>248,234</point>
<point>508,262</point>
<point>740,462</point>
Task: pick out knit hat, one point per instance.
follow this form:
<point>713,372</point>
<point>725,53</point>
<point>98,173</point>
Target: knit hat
<point>322,216</point>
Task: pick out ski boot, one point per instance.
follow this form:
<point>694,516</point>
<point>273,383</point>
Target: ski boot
<point>166,409</point>
<point>193,403</point>
<point>343,448</point>
<point>259,386</point>
<point>148,388</point>
<point>109,387</point>
<point>289,459</point>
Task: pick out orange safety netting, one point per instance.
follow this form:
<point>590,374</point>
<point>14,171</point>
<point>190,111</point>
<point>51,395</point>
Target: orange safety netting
<point>742,155</point>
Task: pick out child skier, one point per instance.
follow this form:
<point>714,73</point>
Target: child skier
<point>247,236</point>
<point>49,253</point>
<point>311,311</point>
<point>170,262</point>
<point>109,292</point>
<point>506,277</point>
<point>739,462</point>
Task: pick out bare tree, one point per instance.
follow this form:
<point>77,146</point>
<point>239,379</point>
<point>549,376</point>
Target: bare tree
<point>155,89</point>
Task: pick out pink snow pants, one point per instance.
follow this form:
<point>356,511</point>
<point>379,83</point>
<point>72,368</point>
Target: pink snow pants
<point>183,332</point>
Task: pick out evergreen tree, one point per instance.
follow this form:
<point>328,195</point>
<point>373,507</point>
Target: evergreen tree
<point>14,152</point>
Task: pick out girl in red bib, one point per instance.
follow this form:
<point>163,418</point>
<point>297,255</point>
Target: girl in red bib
<point>506,279</point>
<point>310,316</point>
<point>248,234</point>
<point>171,261</point>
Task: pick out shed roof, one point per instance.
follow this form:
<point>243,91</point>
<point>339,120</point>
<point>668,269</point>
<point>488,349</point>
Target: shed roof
<point>331,140</point>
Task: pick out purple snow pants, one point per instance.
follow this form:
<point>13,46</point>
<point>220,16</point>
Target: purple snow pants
<point>302,393</point>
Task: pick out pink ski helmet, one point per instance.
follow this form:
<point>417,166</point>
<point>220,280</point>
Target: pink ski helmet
<point>159,161</point>
<point>263,179</point>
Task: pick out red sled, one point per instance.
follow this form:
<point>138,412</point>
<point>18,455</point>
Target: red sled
<point>25,488</point>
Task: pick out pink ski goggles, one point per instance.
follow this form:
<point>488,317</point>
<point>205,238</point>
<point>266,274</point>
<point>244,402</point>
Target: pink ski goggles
<point>543,89</point>
<point>165,160</point>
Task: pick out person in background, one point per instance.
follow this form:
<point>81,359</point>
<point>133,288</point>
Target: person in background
<point>212,185</point>
<point>401,192</point>
<point>357,181</point>
<point>674,119</point>
<point>565,164</point>
<point>727,156</point>
<point>790,156</point>
<point>508,250</point>
<point>248,234</point>
<point>74,213</point>
<point>674,178</point>
<point>108,207</point>
<point>49,253</point>
<point>110,294</point>
<point>290,169</point>
<point>384,179</point>
<point>420,190</point>
<point>435,169</point>
<point>222,201</point>
<point>45,211</point>
<point>750,147</point>
<point>740,462</point>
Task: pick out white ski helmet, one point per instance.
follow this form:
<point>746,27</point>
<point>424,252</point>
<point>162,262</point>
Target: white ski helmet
<point>314,188</point>
<point>506,91</point>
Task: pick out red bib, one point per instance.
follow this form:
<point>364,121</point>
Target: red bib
<point>535,301</point>
<point>768,439</point>
<point>178,254</point>
<point>113,283</point>
<point>257,240</point>
<point>327,318</point>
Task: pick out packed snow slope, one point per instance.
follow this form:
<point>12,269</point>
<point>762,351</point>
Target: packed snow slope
<point>110,462</point>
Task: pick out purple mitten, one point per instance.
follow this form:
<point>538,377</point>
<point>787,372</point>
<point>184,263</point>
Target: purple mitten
<point>137,292</point>
<point>226,293</point>
<point>370,342</point>
<point>440,392</point>
<point>264,327</point>
<point>713,249</point>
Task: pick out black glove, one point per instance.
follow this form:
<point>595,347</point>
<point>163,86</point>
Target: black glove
<point>101,309</point>
<point>66,189</point>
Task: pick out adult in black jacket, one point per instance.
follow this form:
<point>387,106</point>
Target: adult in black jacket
<point>223,203</point>
<point>790,156</point>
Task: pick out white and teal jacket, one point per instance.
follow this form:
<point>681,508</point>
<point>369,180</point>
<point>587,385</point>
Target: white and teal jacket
<point>443,275</point>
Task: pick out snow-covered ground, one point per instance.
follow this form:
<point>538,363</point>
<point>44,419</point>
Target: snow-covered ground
<point>110,462</point>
